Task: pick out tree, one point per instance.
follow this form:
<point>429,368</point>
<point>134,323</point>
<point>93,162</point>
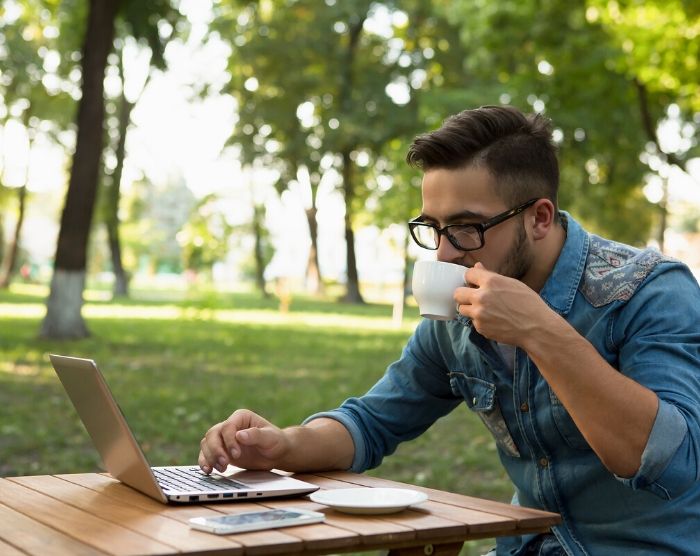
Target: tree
<point>313,96</point>
<point>36,97</point>
<point>63,317</point>
<point>397,197</point>
<point>9,261</point>
<point>135,39</point>
<point>658,51</point>
<point>573,62</point>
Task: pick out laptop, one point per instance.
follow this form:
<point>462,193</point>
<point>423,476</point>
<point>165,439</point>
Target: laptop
<point>124,459</point>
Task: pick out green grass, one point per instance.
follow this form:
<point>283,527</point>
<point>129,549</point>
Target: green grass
<point>180,364</point>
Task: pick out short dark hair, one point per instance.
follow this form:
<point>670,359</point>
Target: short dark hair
<point>516,148</point>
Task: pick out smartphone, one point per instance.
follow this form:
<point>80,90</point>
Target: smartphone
<point>255,521</point>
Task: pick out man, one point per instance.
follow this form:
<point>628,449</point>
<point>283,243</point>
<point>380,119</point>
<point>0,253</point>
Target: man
<point>581,355</point>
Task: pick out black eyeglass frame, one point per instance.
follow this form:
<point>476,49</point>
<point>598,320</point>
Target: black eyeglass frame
<point>479,227</point>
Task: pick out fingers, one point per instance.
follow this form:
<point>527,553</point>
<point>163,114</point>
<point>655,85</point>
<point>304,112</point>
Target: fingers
<point>228,438</point>
<point>475,275</point>
<point>221,444</point>
<point>240,420</point>
<point>465,295</point>
<point>213,451</point>
<point>202,461</point>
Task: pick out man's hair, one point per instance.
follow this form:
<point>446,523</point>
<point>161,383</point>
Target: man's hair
<point>515,148</point>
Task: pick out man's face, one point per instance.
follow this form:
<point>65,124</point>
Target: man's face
<point>468,196</point>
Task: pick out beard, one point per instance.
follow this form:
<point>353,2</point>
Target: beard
<point>518,260</point>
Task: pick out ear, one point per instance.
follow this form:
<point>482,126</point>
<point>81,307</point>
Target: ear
<point>542,218</point>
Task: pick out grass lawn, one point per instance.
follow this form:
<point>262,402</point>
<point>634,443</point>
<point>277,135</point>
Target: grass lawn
<point>178,366</point>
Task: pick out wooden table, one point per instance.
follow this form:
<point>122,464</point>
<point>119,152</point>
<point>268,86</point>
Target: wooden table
<point>92,513</point>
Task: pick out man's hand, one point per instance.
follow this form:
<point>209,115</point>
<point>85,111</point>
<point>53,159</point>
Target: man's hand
<point>501,308</point>
<point>244,439</point>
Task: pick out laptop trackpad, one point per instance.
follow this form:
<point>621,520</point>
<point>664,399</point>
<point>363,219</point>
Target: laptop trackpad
<point>250,477</point>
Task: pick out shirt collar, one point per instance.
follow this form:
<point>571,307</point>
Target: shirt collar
<point>560,288</point>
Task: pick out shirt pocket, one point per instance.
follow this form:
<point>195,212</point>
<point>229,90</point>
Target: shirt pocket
<point>480,396</point>
<point>565,424</point>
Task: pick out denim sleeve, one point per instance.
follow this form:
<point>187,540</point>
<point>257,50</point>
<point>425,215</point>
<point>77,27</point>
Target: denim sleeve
<point>413,393</point>
<point>658,334</point>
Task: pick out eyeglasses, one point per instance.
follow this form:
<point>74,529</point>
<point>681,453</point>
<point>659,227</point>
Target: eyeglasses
<point>465,237</point>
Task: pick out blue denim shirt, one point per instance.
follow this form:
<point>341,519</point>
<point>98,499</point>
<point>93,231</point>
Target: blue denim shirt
<point>641,311</point>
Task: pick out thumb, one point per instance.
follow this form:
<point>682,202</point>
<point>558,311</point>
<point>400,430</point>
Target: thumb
<point>264,437</point>
<point>480,266</point>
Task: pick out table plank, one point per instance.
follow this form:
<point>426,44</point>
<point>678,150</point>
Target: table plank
<point>313,537</point>
<point>526,518</point>
<point>473,521</point>
<point>424,523</point>
<point>369,530</point>
<point>270,541</point>
<point>113,489</point>
<point>35,538</point>
<point>9,550</point>
<point>148,522</point>
<point>79,524</point>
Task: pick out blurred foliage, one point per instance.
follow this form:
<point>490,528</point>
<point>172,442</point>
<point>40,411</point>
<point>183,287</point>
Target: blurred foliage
<point>204,236</point>
<point>657,43</point>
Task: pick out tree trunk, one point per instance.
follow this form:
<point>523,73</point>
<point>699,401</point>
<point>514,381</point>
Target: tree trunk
<point>663,216</point>
<point>314,281</point>
<point>353,287</point>
<point>258,215</point>
<point>63,309</point>
<point>66,294</point>
<point>121,282</point>
<point>9,262</point>
<point>651,130</point>
<point>650,126</point>
<point>347,85</point>
<point>2,236</point>
<point>407,268</point>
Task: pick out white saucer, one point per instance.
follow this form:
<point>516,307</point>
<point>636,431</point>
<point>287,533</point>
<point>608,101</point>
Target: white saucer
<point>369,500</point>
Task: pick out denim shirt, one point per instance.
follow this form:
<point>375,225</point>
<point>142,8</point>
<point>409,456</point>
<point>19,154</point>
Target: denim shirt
<point>641,311</point>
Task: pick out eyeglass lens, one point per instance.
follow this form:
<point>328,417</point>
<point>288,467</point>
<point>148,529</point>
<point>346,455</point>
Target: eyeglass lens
<point>466,237</point>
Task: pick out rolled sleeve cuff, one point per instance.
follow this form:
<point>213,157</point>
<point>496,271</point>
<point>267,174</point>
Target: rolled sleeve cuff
<point>667,434</point>
<point>359,458</point>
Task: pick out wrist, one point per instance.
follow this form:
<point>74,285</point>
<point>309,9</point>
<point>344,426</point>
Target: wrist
<point>546,334</point>
<point>291,438</point>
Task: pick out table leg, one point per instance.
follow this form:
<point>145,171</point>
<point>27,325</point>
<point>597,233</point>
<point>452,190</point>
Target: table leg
<point>451,549</point>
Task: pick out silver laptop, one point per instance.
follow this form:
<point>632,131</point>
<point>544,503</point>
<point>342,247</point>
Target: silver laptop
<point>123,458</point>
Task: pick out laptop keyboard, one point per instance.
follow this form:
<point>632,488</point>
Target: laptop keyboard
<point>192,479</point>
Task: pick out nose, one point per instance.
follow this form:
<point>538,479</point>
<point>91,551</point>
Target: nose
<point>448,253</point>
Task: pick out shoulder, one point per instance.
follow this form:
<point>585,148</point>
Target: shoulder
<point>615,271</point>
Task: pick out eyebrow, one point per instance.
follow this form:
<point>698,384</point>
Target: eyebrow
<point>463,215</point>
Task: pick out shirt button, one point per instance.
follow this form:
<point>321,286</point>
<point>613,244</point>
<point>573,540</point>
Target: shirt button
<point>544,462</point>
<point>524,407</point>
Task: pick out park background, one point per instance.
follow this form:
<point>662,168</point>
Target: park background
<point>210,197</point>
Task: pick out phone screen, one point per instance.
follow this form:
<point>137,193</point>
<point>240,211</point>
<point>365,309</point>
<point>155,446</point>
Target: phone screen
<point>256,517</point>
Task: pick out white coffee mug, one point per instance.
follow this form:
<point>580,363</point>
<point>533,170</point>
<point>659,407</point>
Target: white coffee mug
<point>434,285</point>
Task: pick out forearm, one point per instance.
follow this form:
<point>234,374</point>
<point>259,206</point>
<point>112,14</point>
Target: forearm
<point>613,412</point>
<point>320,445</point>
